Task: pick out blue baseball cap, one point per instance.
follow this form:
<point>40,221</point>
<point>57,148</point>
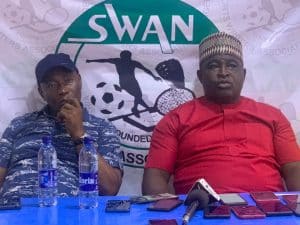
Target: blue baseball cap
<point>51,61</point>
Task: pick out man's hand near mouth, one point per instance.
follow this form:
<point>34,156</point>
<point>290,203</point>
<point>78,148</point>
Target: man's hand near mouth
<point>71,115</point>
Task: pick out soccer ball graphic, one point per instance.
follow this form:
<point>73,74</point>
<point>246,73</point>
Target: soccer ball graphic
<point>255,16</point>
<point>108,98</point>
<point>16,16</point>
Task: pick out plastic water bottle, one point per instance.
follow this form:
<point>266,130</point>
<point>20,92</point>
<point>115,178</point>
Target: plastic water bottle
<point>47,173</point>
<point>88,175</point>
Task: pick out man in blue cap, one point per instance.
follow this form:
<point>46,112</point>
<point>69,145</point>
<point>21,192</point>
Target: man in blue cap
<point>66,120</point>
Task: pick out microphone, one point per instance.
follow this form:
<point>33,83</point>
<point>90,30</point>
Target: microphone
<point>199,196</point>
<point>201,184</point>
<point>196,199</point>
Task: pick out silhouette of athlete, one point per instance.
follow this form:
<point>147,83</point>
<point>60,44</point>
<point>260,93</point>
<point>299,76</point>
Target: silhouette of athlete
<point>125,67</point>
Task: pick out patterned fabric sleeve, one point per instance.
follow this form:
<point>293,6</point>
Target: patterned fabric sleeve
<point>109,144</point>
<point>6,146</point>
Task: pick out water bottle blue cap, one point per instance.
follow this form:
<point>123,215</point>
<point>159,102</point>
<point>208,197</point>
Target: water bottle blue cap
<point>87,140</point>
<point>46,139</point>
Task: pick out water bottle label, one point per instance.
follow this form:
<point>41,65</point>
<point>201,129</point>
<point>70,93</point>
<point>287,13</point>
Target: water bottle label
<point>88,181</point>
<point>48,178</point>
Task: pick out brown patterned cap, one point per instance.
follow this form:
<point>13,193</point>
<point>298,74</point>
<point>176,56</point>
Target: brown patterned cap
<point>220,43</point>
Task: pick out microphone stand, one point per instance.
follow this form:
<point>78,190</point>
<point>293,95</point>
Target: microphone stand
<point>190,212</point>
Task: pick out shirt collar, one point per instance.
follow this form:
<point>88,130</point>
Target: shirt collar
<point>221,106</point>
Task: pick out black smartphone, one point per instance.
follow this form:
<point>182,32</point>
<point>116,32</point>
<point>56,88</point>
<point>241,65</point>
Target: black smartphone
<point>248,212</point>
<point>266,196</point>
<point>273,208</point>
<point>295,208</point>
<point>10,203</point>
<point>232,199</point>
<point>117,206</point>
<point>219,211</point>
<point>163,222</point>
<point>291,198</point>
<point>165,205</point>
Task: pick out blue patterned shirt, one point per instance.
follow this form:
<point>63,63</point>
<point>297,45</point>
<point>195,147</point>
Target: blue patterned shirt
<point>21,141</point>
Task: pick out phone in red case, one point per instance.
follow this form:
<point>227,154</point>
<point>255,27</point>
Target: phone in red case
<point>248,212</point>
<point>291,198</point>
<point>217,211</point>
<point>266,196</point>
<point>274,208</point>
<point>163,222</point>
<point>295,208</point>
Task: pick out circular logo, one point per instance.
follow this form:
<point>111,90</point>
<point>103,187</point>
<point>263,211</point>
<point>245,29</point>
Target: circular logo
<point>138,61</point>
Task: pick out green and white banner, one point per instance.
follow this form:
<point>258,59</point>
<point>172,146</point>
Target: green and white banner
<point>138,59</point>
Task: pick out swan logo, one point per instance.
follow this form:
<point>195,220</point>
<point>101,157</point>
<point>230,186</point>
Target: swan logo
<point>149,53</point>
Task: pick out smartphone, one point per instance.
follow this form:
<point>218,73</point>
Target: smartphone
<point>295,208</point>
<point>219,211</point>
<point>11,203</point>
<point>152,198</point>
<point>163,222</point>
<point>291,198</point>
<point>266,196</point>
<point>117,206</point>
<point>165,205</point>
<point>247,212</point>
<point>274,208</point>
<point>201,184</point>
<point>233,199</point>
